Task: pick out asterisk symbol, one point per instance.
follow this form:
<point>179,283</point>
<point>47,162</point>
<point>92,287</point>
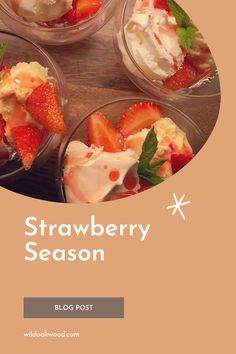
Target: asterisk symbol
<point>178,204</point>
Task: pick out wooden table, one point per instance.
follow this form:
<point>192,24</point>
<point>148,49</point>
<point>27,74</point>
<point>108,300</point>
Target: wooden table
<point>94,76</point>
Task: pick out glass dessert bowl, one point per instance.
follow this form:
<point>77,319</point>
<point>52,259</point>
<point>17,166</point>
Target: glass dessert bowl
<point>125,147</point>
<point>58,22</point>
<point>162,51</point>
<point>32,106</point>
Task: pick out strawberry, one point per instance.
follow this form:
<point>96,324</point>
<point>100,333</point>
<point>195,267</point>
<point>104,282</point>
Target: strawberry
<point>184,77</point>
<point>44,107</point>
<point>87,8</point>
<point>82,9</point>
<point>2,127</point>
<point>102,133</point>
<point>28,140</point>
<point>139,116</point>
<point>71,17</point>
<point>162,5</point>
<point>144,185</point>
<point>178,161</point>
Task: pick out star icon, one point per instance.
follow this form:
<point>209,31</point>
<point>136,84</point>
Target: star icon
<point>178,204</point>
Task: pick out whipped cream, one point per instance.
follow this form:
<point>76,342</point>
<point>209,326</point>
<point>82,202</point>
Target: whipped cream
<point>90,174</point>
<point>40,10</point>
<point>153,41</point>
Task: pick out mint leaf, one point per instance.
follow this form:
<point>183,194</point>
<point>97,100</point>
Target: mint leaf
<point>155,180</point>
<point>181,16</point>
<point>187,30</point>
<point>149,148</point>
<point>146,169</point>
<point>3,47</point>
<point>186,36</point>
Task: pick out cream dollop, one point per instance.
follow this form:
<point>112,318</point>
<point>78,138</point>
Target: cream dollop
<point>153,41</point>
<point>90,174</point>
<point>40,10</point>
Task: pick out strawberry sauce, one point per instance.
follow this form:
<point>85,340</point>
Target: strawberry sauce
<point>114,175</point>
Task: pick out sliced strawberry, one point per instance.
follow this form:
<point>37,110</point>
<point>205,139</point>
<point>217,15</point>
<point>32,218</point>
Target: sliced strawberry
<point>161,4</point>
<point>184,77</point>
<point>44,107</point>
<point>28,140</point>
<point>82,9</point>
<point>144,185</point>
<point>87,8</point>
<point>102,133</point>
<point>139,116</point>
<point>2,127</point>
<point>71,17</point>
<point>131,181</point>
<point>178,161</point>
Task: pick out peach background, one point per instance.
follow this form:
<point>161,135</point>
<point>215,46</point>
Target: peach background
<point>179,285</point>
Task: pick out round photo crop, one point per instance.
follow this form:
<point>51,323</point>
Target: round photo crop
<point>130,141</point>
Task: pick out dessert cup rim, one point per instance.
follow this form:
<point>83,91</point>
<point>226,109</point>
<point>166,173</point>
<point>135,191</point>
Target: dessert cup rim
<point>67,138</point>
<point>177,93</point>
<point>61,82</point>
<point>81,25</point>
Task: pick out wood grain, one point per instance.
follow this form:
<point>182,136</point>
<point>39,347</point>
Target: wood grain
<point>93,76</point>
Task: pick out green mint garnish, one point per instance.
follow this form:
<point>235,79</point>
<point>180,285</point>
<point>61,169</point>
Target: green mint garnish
<point>146,169</point>
<point>186,30</point>
<point>182,18</point>
<point>3,47</point>
<point>186,36</point>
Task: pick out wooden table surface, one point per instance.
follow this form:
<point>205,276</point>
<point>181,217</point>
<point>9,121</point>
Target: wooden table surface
<point>93,76</point>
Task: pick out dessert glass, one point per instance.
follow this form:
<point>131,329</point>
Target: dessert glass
<point>206,88</point>
<point>20,49</point>
<point>58,35</point>
<point>113,110</point>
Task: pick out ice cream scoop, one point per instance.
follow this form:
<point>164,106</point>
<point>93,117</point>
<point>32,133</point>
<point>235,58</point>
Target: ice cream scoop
<point>40,10</point>
<point>22,79</point>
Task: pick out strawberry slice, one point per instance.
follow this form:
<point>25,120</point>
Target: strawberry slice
<point>162,5</point>
<point>71,17</point>
<point>2,127</point>
<point>184,77</point>
<point>43,105</point>
<point>144,185</point>
<point>178,161</point>
<point>102,133</point>
<point>28,140</point>
<point>87,8</point>
<point>82,9</point>
<point>139,116</point>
